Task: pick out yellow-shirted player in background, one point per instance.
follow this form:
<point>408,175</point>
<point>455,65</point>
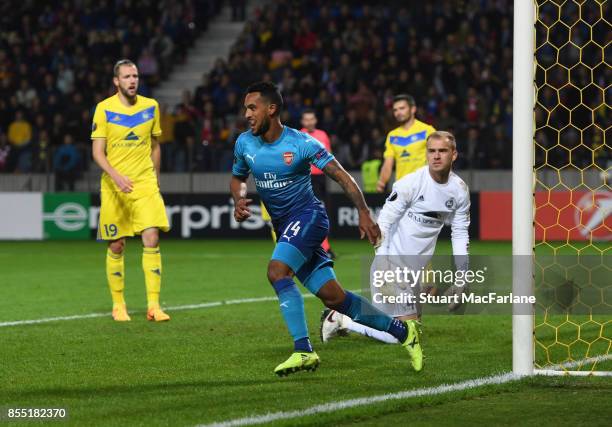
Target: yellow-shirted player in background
<point>124,133</point>
<point>405,145</point>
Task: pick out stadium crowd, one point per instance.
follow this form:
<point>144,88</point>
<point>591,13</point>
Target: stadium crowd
<point>347,61</point>
<point>344,60</point>
<point>56,62</point>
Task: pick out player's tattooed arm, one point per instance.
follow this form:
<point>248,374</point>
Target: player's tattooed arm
<point>367,226</point>
<point>238,189</point>
<point>335,171</point>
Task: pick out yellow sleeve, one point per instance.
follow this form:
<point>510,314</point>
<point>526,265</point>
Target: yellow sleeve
<point>98,127</point>
<point>389,152</point>
<point>156,121</point>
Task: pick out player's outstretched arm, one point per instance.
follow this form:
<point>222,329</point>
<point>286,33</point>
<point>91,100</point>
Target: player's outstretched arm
<point>367,226</point>
<point>385,174</point>
<point>238,189</point>
<point>99,156</point>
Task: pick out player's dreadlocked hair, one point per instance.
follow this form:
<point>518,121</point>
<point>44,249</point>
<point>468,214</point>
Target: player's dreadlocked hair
<point>270,92</point>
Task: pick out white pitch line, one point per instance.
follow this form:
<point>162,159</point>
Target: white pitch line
<point>587,361</point>
<point>429,391</point>
<point>52,319</point>
<point>345,404</point>
<point>175,308</point>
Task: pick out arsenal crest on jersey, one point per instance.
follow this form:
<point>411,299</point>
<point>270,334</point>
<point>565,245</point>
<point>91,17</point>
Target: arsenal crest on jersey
<point>288,157</point>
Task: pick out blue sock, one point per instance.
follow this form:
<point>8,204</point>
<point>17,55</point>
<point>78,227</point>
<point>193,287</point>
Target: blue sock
<point>292,309</point>
<point>397,328</point>
<point>303,345</point>
<point>362,311</point>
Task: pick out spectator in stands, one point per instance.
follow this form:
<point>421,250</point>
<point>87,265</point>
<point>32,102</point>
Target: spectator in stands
<point>166,141</point>
<point>58,130</point>
<point>474,109</point>
<point>163,47</point>
<point>202,92</point>
<point>20,138</point>
<point>238,10</point>
<point>445,121</point>
<point>354,153</point>
<point>26,94</point>
<point>370,170</point>
<point>329,121</point>
<point>456,61</point>
<point>66,162</point>
<point>6,115</point>
<point>41,152</point>
<point>53,63</point>
<point>49,89</point>
<point>184,133</point>
<point>65,79</point>
<point>5,152</point>
<point>362,100</point>
<point>148,67</point>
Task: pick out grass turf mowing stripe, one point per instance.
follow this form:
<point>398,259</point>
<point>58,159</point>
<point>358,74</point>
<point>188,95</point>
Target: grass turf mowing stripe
<point>429,391</point>
<point>345,404</point>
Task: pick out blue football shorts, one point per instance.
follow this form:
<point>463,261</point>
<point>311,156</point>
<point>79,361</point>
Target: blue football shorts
<point>299,247</point>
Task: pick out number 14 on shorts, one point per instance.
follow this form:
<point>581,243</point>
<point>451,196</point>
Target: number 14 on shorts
<point>292,229</point>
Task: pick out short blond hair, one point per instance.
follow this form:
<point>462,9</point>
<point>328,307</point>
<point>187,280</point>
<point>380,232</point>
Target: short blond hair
<point>121,63</point>
<point>443,135</point>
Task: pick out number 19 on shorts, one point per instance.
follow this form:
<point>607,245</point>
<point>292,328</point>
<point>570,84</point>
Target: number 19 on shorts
<point>110,230</point>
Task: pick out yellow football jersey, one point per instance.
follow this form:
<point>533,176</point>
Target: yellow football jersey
<point>128,132</point>
<point>408,147</point>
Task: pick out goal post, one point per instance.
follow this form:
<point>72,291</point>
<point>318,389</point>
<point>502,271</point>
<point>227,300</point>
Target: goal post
<point>561,197</point>
<point>522,183</point>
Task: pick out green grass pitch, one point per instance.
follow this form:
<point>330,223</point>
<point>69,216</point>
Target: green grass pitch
<point>215,364</point>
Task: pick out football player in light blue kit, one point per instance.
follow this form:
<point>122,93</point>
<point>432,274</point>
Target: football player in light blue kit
<point>279,159</point>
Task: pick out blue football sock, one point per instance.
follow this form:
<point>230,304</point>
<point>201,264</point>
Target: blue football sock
<point>292,309</point>
<point>303,345</point>
<point>397,328</point>
<point>362,311</point>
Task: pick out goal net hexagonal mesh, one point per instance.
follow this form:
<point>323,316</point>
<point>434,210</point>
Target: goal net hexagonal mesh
<point>573,201</point>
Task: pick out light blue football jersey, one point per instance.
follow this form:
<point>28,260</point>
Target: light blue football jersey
<point>281,169</point>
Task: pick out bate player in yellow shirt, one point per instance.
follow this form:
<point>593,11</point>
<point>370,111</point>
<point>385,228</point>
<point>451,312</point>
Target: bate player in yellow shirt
<point>124,133</point>
<point>405,145</point>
